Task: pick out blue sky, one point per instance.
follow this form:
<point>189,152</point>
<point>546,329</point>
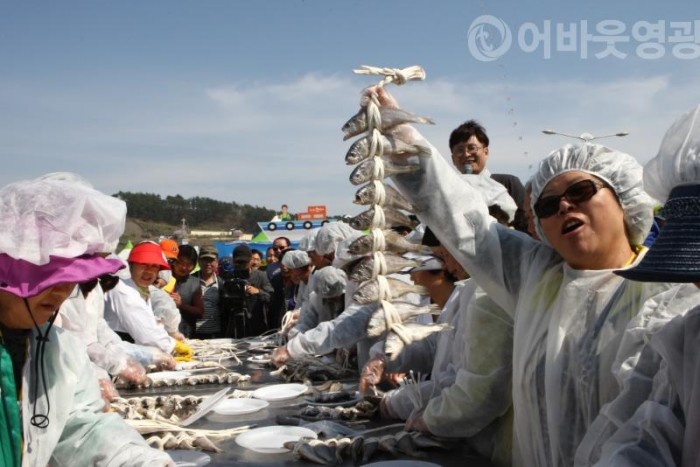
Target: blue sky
<point>243,100</point>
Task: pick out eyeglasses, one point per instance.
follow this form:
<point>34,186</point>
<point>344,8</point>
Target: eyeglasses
<point>576,193</point>
<point>279,247</point>
<point>470,148</point>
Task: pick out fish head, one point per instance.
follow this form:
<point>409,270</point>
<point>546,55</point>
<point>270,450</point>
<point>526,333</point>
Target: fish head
<point>360,174</point>
<point>360,245</point>
<point>361,221</point>
<point>359,151</point>
<point>356,125</point>
<point>364,195</point>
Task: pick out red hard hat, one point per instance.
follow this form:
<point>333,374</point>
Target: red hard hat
<point>148,253</point>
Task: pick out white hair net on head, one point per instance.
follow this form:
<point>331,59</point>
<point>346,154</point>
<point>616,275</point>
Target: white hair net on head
<point>330,282</point>
<point>330,235</point>
<point>619,170</point>
<point>308,243</point>
<point>59,214</point>
<point>295,259</point>
<point>678,159</point>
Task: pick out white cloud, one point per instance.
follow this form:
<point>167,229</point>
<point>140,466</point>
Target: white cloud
<point>275,142</point>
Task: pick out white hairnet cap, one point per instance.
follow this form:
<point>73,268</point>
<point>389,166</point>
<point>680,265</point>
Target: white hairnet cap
<point>678,159</point>
<point>619,170</point>
<point>295,259</point>
<point>330,235</point>
<point>308,243</point>
<point>330,282</point>
<point>58,214</point>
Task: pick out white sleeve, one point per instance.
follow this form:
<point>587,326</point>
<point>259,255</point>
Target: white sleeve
<point>102,438</point>
<point>342,332</point>
<point>459,217</point>
<point>135,317</point>
<point>482,388</point>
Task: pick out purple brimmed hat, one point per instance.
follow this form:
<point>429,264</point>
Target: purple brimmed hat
<point>25,279</point>
<point>674,175</point>
<point>53,230</point>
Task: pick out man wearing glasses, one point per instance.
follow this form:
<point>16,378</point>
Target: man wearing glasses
<point>277,306</point>
<point>469,145</point>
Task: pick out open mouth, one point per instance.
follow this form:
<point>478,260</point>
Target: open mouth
<point>571,225</point>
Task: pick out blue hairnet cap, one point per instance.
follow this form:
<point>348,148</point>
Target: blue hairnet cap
<point>619,170</point>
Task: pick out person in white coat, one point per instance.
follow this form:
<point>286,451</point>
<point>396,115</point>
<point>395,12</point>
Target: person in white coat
<point>53,231</point>
<point>578,327</point>
<point>656,418</point>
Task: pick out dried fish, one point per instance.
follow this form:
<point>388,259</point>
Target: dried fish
<point>376,326</point>
<point>378,168</point>
<point>379,217</point>
<point>370,267</point>
<point>385,288</point>
<point>389,117</point>
<point>388,146</point>
<point>383,195</point>
<point>384,240</point>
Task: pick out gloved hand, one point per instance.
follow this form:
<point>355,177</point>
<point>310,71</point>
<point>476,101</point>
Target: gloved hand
<point>371,375</point>
<point>108,393</point>
<point>415,421</point>
<point>280,356</point>
<point>177,335</point>
<point>134,372</point>
<point>182,352</point>
<point>406,133</point>
<point>165,362</point>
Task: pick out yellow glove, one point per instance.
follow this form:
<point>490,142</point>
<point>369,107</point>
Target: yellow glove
<point>182,352</point>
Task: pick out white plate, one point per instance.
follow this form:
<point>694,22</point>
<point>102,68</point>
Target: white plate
<point>280,392</point>
<point>271,439</point>
<point>183,458</point>
<point>205,406</point>
<point>261,359</point>
<point>402,463</point>
<point>228,407</point>
<point>161,375</point>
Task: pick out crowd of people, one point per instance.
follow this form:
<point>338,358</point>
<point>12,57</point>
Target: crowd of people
<point>564,340</point>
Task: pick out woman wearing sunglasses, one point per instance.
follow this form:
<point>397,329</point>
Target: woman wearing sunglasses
<point>577,326</point>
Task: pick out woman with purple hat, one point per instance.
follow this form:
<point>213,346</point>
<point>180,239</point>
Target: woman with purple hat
<point>55,231</point>
<point>657,416</point>
<point>578,327</point>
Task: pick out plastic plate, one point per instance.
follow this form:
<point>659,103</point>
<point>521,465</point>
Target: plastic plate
<point>271,439</point>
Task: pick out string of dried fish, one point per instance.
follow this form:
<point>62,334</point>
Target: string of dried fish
<point>361,449</point>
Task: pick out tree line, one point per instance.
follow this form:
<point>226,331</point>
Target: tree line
<point>198,212</point>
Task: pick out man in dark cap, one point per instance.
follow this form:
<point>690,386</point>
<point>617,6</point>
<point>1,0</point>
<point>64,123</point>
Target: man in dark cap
<point>246,296</point>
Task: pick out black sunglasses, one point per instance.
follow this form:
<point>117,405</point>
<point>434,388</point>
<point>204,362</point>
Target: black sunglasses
<point>576,193</point>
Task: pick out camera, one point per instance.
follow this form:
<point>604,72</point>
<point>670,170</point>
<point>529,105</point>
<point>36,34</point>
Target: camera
<point>234,301</point>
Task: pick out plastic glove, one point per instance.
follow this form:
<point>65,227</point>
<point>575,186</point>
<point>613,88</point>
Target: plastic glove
<point>371,376</point>
<point>406,133</point>
<point>108,393</point>
<point>165,362</point>
<point>182,352</point>
<point>415,422</point>
<point>134,372</point>
<point>177,335</point>
<point>280,356</point>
